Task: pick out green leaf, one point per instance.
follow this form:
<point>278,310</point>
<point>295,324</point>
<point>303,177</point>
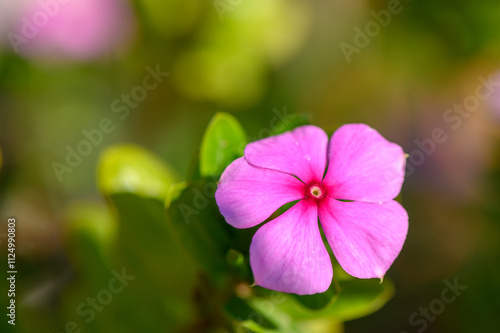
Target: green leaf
<point>223,141</point>
<point>269,307</point>
<point>248,316</point>
<point>317,301</point>
<point>252,326</point>
<point>195,221</point>
<point>143,230</point>
<point>174,192</point>
<point>132,169</point>
<point>91,234</point>
<point>135,184</point>
<point>357,298</point>
<point>261,315</point>
<point>93,221</point>
<point>321,326</point>
<point>148,251</point>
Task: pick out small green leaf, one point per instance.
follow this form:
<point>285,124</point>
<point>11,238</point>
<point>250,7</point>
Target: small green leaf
<point>223,141</point>
<point>132,169</point>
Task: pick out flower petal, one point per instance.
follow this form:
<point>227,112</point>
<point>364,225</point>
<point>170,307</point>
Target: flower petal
<point>365,238</point>
<point>287,254</point>
<point>247,195</point>
<point>301,152</point>
<point>363,166</point>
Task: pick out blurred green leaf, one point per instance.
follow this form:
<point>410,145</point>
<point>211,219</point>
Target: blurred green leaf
<point>260,316</point>
<point>244,313</point>
<point>135,184</point>
<point>149,251</point>
<point>317,301</point>
<point>268,307</point>
<point>252,326</point>
<point>321,326</point>
<point>159,15</point>
<point>290,122</point>
<point>222,143</point>
<point>235,258</point>
<point>91,220</point>
<point>357,298</point>
<point>174,192</point>
<point>195,220</point>
<point>132,169</point>
<point>91,234</point>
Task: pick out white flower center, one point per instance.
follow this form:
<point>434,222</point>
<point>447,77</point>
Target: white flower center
<point>316,191</point>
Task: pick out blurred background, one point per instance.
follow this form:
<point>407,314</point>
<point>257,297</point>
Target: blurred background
<point>80,76</point>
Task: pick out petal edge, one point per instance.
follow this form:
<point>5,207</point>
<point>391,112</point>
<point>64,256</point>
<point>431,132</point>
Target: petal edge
<point>301,152</point>
<point>247,195</point>
<point>287,254</point>
<point>365,238</point>
<point>363,165</point>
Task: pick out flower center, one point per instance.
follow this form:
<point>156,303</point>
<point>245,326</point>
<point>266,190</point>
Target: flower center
<point>316,191</point>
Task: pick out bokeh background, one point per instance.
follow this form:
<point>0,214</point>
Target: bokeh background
<point>407,68</point>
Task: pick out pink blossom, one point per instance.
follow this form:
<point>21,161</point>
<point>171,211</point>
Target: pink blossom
<point>364,226</point>
<point>72,29</point>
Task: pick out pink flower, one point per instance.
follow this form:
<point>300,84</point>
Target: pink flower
<point>73,29</point>
<point>365,233</point>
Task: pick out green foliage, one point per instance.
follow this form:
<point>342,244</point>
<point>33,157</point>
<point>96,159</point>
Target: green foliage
<point>247,58</point>
<point>136,240</point>
<point>92,231</point>
<point>223,141</point>
<point>195,221</point>
<point>356,298</point>
<point>131,169</point>
<point>156,227</point>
